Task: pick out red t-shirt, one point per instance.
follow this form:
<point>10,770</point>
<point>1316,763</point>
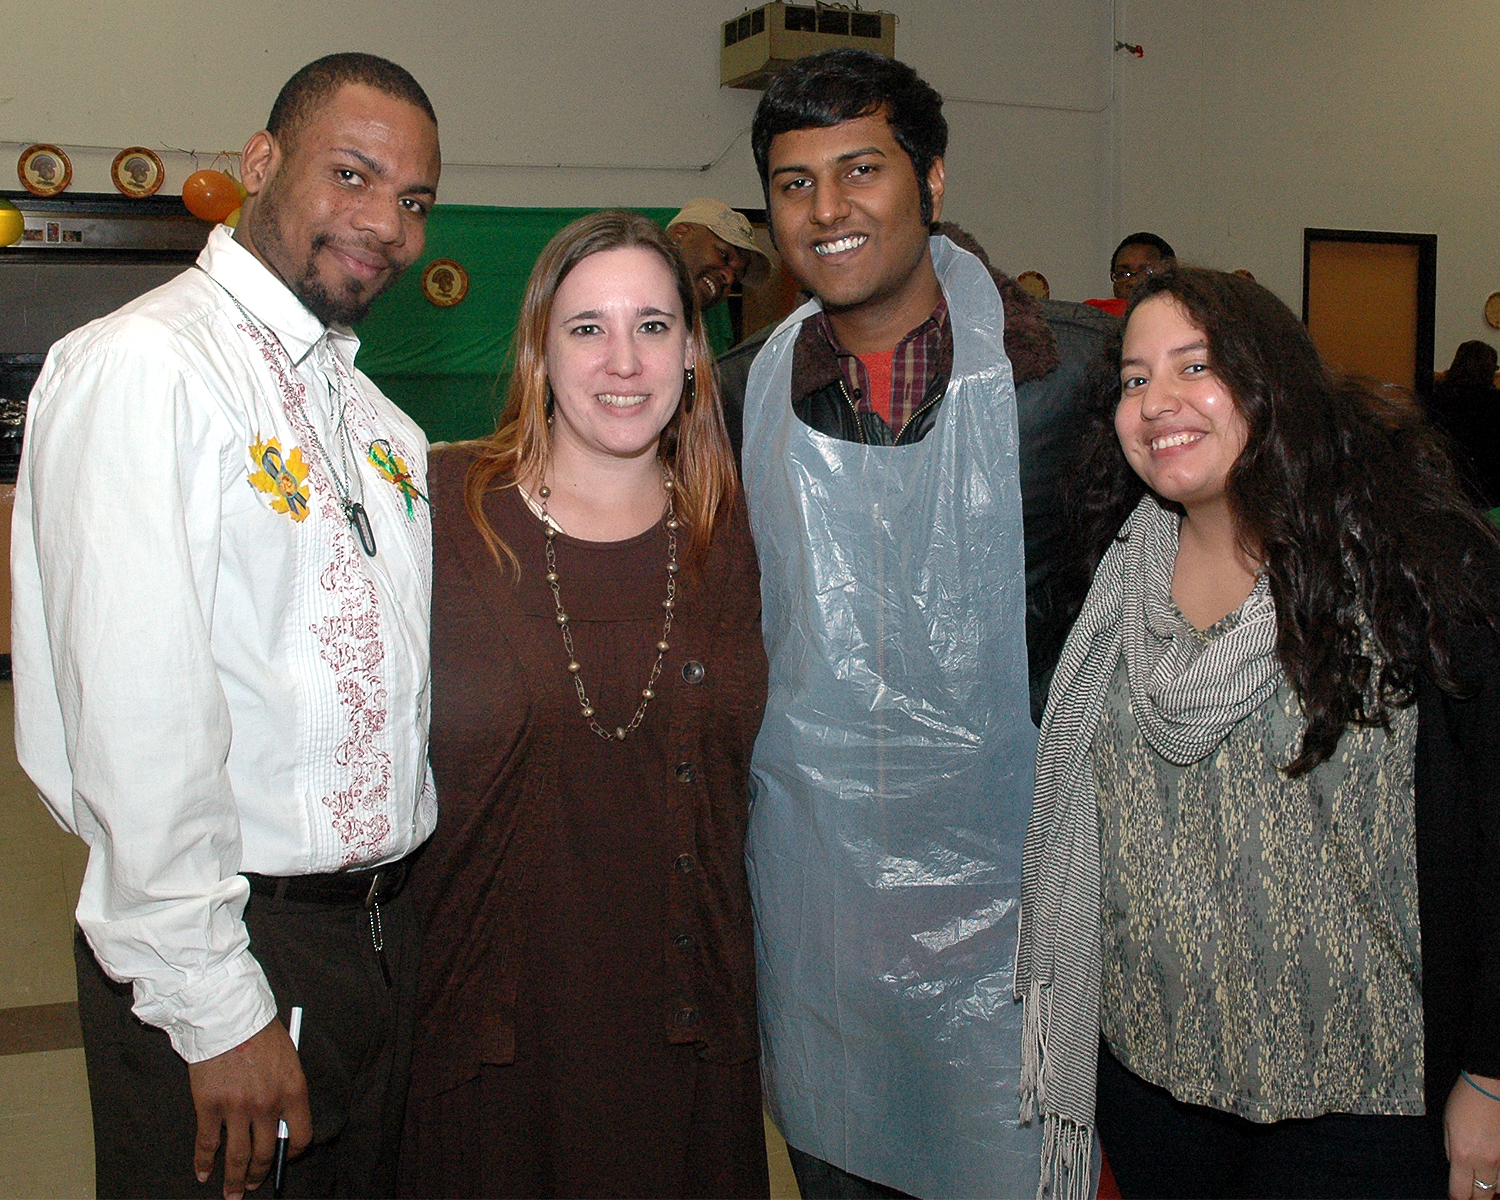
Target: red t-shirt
<point>878,368</point>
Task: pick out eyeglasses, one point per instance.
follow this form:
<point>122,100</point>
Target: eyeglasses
<point>1123,274</point>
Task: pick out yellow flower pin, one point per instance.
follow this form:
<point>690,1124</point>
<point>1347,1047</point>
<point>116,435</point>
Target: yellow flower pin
<point>285,479</point>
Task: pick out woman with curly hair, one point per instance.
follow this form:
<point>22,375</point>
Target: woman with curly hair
<point>585,1018</point>
<point>1259,915</point>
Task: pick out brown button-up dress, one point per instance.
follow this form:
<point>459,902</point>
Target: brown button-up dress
<point>586,1012</point>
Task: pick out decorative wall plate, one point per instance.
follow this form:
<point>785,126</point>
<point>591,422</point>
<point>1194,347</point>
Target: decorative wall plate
<point>444,282</point>
<point>1035,283</point>
<point>44,169</point>
<point>137,172</point>
<point>1492,310</point>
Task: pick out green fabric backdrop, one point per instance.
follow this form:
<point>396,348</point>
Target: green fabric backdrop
<point>443,365</point>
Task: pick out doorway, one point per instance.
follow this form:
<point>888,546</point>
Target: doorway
<point>1369,300</point>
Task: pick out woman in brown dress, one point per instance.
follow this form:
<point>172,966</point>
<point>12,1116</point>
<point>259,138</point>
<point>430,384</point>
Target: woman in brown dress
<point>586,1014</point>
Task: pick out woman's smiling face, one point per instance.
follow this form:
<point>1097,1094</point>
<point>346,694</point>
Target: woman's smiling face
<point>1177,421</point>
<point>617,350</point>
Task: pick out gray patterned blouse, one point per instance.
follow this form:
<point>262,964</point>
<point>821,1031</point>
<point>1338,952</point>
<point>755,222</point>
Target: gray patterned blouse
<point>1261,947</point>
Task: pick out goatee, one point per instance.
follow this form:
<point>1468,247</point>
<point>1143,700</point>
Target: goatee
<point>348,306</point>
<point>347,309</point>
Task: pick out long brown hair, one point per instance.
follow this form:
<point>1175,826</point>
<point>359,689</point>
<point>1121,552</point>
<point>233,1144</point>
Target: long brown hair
<point>694,446</point>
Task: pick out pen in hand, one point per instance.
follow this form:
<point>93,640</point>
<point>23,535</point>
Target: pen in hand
<point>294,1031</point>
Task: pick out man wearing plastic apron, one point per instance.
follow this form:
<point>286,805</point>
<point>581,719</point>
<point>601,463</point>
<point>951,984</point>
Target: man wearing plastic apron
<point>892,778</point>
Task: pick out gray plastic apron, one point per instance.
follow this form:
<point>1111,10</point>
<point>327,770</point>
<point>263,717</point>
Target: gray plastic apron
<point>892,778</point>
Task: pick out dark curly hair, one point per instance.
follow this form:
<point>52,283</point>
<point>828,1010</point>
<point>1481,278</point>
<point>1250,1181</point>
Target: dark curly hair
<point>1345,493</point>
<point>827,89</point>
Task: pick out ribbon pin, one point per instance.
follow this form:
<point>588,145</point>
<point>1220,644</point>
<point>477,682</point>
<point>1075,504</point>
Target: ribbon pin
<point>393,467</point>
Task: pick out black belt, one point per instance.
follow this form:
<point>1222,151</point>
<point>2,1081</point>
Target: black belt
<point>363,886</point>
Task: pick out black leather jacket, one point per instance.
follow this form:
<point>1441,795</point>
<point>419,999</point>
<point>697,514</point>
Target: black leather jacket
<point>824,403</point>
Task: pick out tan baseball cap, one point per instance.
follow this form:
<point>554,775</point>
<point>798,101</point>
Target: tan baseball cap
<point>722,221</point>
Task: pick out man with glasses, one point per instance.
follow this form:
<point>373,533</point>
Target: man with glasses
<point>1136,258</point>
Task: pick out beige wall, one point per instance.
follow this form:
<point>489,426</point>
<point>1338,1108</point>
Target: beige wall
<point>1246,122</point>
<point>627,94</point>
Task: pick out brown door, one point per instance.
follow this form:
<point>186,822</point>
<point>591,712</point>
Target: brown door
<point>1369,300</point>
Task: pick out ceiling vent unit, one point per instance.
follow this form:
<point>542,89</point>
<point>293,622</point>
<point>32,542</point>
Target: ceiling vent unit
<point>760,41</point>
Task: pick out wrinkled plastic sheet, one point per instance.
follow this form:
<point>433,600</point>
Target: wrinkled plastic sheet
<point>892,778</point>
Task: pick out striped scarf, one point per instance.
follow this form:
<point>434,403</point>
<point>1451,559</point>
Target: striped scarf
<point>1185,696</point>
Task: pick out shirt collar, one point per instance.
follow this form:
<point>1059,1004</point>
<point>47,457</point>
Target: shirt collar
<point>933,323</point>
<point>269,300</point>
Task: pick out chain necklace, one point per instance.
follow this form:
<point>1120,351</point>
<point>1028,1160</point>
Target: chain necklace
<point>354,510</point>
<point>648,693</point>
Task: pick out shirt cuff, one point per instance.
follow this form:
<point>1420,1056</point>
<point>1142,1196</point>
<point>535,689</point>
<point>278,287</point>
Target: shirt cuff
<point>216,1013</point>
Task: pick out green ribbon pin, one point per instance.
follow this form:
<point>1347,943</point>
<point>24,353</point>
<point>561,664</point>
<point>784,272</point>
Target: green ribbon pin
<point>394,469</point>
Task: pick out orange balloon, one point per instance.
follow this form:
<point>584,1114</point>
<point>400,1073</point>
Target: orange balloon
<point>210,195</point>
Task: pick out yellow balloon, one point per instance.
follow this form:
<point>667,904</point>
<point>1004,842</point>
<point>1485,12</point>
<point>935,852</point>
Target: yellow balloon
<point>12,223</point>
<point>233,219</point>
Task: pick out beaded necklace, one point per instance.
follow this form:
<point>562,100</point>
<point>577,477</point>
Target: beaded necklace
<point>648,693</point>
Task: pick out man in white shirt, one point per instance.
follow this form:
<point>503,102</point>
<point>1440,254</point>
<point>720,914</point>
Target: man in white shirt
<point>221,563</point>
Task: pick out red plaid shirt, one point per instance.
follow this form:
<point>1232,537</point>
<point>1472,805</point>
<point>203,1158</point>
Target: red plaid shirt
<point>914,364</point>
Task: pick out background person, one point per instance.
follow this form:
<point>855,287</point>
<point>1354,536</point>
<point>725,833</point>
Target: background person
<point>220,624</point>
<point>1300,944</point>
<point>587,1009</point>
<point>1135,260</point>
<point>1466,403</point>
<point>718,246</point>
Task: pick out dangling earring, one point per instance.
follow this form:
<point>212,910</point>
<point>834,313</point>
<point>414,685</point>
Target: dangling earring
<point>689,390</point>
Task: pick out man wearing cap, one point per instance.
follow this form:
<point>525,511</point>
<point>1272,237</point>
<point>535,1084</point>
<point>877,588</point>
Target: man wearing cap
<point>719,248</point>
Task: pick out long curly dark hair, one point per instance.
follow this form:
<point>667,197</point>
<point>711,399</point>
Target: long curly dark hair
<point>1344,492</point>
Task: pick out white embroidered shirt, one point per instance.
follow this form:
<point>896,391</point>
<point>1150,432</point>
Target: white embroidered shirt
<point>210,674</point>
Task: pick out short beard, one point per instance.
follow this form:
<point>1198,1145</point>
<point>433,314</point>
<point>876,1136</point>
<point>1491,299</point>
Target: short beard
<point>350,308</point>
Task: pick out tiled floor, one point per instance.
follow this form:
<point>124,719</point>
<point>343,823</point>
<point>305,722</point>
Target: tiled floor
<point>46,1134</point>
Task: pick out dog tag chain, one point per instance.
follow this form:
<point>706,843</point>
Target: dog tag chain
<point>354,510</point>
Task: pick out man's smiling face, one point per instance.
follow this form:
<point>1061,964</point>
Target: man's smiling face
<point>714,264</point>
<point>846,211</point>
<point>340,212</point>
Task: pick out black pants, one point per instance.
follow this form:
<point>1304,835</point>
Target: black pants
<point>355,1051</point>
<point>820,1180</point>
<point>1160,1147</point>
